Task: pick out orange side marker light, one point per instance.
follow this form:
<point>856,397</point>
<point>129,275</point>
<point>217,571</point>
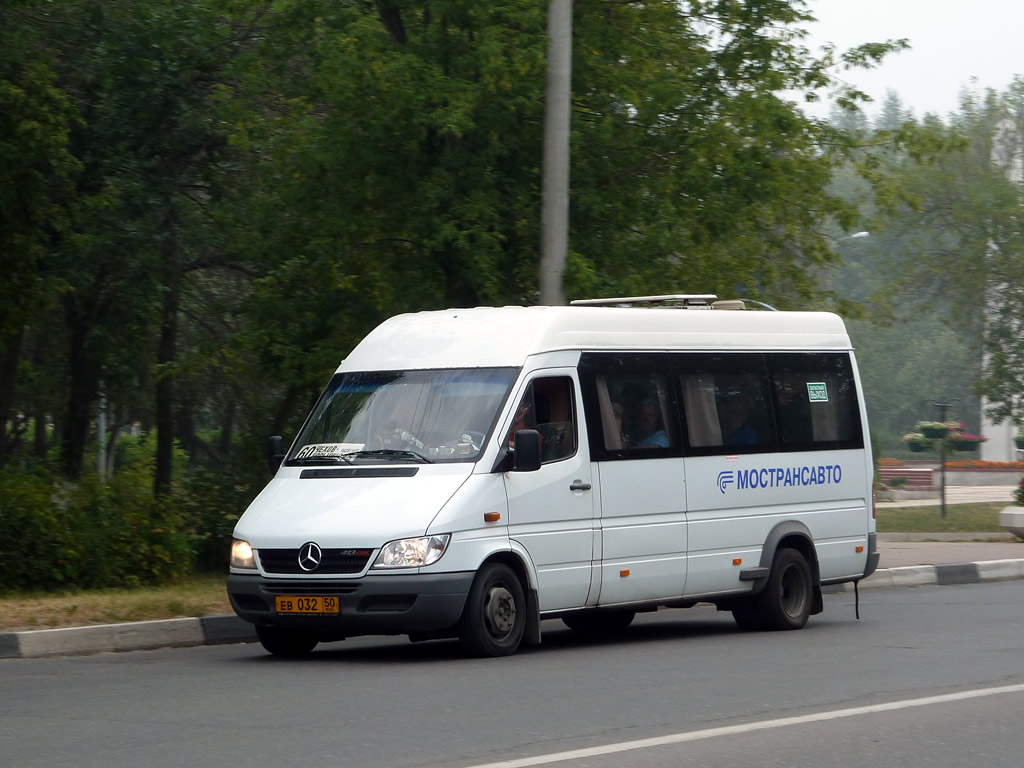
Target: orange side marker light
<point>860,547</point>
<point>624,573</point>
<point>492,517</point>
<point>737,561</point>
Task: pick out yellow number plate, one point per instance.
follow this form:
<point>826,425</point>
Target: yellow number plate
<point>315,604</point>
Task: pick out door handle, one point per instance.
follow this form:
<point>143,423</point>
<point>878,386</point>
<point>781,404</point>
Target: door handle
<point>579,485</point>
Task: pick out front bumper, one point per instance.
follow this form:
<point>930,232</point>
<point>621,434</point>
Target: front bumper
<point>371,605</point>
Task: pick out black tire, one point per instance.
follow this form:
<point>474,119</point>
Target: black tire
<point>598,623</point>
<point>746,615</point>
<point>785,602</point>
<point>494,619</point>
<point>286,642</point>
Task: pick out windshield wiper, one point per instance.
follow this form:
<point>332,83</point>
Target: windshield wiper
<point>341,458</point>
<point>389,453</point>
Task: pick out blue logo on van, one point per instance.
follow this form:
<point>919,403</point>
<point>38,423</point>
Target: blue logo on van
<point>780,477</point>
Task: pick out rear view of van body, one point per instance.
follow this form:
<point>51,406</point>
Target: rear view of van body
<point>471,472</point>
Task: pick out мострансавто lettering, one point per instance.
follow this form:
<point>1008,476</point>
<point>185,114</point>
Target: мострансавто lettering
<point>781,477</point>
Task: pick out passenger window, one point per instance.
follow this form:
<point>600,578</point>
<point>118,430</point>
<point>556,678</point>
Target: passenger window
<point>816,401</point>
<point>726,403</point>
<point>548,407</point>
<point>630,405</point>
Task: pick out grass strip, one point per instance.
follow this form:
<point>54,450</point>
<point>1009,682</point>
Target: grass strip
<point>960,518</point>
<point>197,596</point>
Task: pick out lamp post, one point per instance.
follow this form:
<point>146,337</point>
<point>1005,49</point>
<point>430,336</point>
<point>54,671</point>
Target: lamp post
<point>554,219</point>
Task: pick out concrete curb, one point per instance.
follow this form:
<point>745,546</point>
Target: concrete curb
<point>943,575</point>
<point>134,636</point>
<point>220,630</point>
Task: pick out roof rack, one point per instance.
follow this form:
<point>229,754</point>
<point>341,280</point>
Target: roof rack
<point>680,300</point>
<point>683,299</point>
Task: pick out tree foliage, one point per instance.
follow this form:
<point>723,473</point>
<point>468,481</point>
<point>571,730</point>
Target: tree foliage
<point>947,234</point>
<point>208,202</point>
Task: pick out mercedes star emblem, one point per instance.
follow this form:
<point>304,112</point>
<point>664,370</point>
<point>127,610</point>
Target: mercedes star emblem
<point>310,556</point>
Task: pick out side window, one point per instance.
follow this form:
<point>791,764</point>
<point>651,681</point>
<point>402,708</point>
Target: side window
<point>727,403</point>
<point>548,407</point>
<point>630,405</point>
<point>816,401</point>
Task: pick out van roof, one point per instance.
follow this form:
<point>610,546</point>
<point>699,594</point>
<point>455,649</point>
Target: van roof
<point>485,337</point>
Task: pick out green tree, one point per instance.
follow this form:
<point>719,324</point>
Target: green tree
<point>36,171</point>
<point>953,226</point>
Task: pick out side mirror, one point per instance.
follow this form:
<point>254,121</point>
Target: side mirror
<point>275,453</point>
<point>527,450</point>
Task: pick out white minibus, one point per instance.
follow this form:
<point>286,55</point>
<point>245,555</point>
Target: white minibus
<point>470,473</point>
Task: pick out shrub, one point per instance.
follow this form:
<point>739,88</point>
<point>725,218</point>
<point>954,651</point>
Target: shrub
<point>212,504</point>
<point>1019,493</point>
<point>897,482</point>
<point>90,534</point>
<point>34,533</point>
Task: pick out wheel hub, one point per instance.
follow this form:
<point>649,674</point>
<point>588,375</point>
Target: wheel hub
<point>500,611</point>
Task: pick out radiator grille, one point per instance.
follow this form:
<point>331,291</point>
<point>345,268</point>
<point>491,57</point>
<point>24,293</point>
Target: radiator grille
<point>334,561</point>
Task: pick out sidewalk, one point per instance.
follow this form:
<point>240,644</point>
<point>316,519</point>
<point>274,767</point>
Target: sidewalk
<point>907,560</point>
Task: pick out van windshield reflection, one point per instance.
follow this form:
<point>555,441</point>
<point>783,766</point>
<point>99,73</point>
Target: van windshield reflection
<point>420,416</point>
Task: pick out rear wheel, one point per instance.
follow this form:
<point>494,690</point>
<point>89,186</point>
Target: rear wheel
<point>599,622</point>
<point>286,642</point>
<point>494,619</point>
<point>785,602</point>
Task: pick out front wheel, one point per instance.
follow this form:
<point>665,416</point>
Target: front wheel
<point>286,642</point>
<point>785,602</point>
<point>494,619</point>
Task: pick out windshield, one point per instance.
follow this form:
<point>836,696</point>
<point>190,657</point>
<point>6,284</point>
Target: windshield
<point>403,416</point>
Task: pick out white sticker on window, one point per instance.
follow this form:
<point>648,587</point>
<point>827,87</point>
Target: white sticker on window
<point>325,449</point>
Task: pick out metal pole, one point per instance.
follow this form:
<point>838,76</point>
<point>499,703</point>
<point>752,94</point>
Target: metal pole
<point>554,220</point>
<point>942,461</point>
<point>943,407</point>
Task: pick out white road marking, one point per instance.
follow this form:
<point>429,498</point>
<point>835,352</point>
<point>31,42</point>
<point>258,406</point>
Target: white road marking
<point>763,725</point>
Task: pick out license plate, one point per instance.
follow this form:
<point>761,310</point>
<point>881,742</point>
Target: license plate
<point>316,604</point>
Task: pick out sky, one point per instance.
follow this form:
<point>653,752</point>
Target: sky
<point>952,41</point>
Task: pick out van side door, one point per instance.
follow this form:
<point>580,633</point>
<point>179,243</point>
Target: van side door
<point>633,427</point>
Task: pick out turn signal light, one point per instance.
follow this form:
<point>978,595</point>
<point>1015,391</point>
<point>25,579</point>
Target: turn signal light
<point>492,517</point>
<point>737,561</point>
<point>624,573</point>
<point>860,547</point>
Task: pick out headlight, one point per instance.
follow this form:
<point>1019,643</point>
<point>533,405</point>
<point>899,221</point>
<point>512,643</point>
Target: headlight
<point>242,555</point>
<point>412,553</point>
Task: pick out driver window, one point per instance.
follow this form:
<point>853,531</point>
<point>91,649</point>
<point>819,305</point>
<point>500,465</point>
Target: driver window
<point>547,406</point>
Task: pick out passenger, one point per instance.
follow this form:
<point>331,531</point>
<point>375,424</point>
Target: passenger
<point>741,431</point>
<point>649,424</point>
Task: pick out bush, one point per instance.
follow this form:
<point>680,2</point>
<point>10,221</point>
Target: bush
<point>35,536</point>
<point>212,504</point>
<point>897,482</point>
<point>90,534</point>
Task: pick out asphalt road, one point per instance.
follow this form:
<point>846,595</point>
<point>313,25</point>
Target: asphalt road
<point>672,680</point>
